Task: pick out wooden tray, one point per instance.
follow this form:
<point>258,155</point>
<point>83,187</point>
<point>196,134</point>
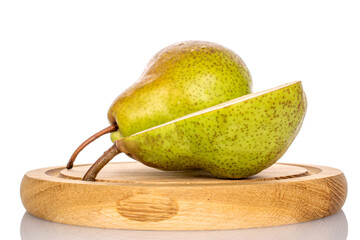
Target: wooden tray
<point>132,196</point>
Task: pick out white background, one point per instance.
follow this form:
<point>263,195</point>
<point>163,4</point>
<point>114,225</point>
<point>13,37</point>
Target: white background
<point>62,63</point>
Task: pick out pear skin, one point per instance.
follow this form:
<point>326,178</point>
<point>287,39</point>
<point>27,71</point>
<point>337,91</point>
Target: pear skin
<point>180,79</point>
<point>235,139</point>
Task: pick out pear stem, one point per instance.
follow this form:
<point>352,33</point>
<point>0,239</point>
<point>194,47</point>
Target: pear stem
<point>91,174</point>
<point>109,129</point>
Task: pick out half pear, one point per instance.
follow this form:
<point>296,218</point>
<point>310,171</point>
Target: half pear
<point>235,139</point>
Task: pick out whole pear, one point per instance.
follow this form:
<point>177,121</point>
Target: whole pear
<point>180,79</point>
<point>234,139</point>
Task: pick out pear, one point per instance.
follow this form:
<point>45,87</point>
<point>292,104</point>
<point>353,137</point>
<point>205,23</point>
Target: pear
<point>180,79</point>
<point>234,139</point>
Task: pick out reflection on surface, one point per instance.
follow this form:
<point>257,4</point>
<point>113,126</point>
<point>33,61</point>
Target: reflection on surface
<point>330,228</point>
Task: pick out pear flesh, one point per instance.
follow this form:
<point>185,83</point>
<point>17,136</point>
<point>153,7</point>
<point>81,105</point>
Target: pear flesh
<point>235,139</point>
<point>182,78</point>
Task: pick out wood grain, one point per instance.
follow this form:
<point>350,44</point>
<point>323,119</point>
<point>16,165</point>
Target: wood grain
<point>133,196</point>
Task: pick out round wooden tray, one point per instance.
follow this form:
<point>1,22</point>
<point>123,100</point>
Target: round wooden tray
<point>133,196</point>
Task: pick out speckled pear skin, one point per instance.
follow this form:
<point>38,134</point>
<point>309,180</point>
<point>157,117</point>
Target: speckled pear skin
<point>180,79</point>
<point>234,141</point>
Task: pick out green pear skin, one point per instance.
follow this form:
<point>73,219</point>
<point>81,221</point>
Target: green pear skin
<point>235,139</point>
<point>180,79</point>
